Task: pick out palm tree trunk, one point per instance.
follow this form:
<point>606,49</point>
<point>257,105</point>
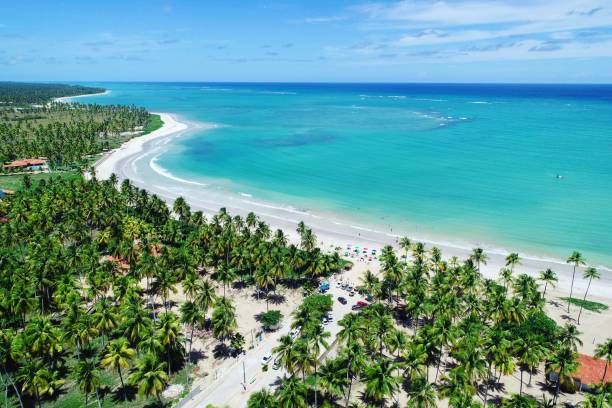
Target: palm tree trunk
<point>19,394</point>
<point>545,286</point>
<point>521,388</point>
<point>584,300</point>
<point>121,377</point>
<point>98,398</point>
<point>191,342</point>
<point>571,290</point>
<point>37,397</point>
<point>315,385</point>
<point>605,371</point>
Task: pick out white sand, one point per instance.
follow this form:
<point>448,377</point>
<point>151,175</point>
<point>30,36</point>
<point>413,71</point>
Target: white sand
<point>136,160</point>
<point>67,99</point>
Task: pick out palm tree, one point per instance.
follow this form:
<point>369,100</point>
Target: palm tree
<point>563,362</point>
<point>333,378</point>
<point>569,336</point>
<point>549,277</point>
<point>318,340</point>
<point>422,394</point>
<point>577,259</point>
<point>512,260</point>
<point>34,378</point>
<point>604,351</point>
<point>590,274</point>
<point>262,398</point>
<point>506,275</point>
<point>169,334</point>
<point>291,394</point>
<point>117,356</point>
<point>405,243</point>
<point>224,319</point>
<point>285,351</point>
<point>150,377</point>
<point>520,401</point>
<point>478,255</point>
<point>380,382</point>
<point>88,378</point>
<point>191,316</point>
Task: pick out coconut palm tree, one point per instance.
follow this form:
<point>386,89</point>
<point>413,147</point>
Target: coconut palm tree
<point>520,401</point>
<point>380,382</point>
<point>34,378</point>
<point>478,255</point>
<point>506,276</point>
<point>88,378</point>
<point>549,277</point>
<point>512,260</point>
<point>604,351</point>
<point>224,319</point>
<point>563,362</point>
<point>170,336</point>
<point>405,243</point>
<point>576,259</point>
<point>422,394</point>
<point>333,378</point>
<point>590,274</point>
<point>569,336</point>
<point>262,398</point>
<point>192,317</point>
<point>292,393</point>
<point>118,355</point>
<point>150,377</point>
<point>284,352</point>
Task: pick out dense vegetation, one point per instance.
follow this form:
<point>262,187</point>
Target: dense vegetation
<point>19,93</point>
<point>436,330</point>
<point>66,133</point>
<point>87,273</point>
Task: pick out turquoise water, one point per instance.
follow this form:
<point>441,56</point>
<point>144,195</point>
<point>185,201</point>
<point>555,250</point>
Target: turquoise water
<point>466,163</point>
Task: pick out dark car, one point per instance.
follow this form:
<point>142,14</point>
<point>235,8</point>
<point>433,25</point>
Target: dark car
<point>342,300</point>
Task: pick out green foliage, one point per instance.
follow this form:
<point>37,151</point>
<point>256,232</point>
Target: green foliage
<point>154,122</point>
<point>588,304</point>
<point>66,133</point>
<point>270,319</point>
<point>15,93</point>
<point>537,325</point>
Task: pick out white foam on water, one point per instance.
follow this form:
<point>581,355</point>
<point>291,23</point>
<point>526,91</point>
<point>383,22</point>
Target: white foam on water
<point>164,172</point>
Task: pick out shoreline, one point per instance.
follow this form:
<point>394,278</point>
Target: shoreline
<point>126,161</point>
<point>65,99</point>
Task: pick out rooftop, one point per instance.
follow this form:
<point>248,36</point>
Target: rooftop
<point>591,369</point>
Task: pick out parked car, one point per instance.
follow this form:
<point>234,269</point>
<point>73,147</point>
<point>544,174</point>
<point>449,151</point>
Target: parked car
<point>276,364</point>
<point>352,293</point>
<point>342,300</point>
<point>329,317</point>
<point>266,359</point>
<point>359,305</point>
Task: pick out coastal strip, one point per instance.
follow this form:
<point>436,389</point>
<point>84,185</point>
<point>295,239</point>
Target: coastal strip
<point>67,99</point>
<point>136,160</point>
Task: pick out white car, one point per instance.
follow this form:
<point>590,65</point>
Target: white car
<point>266,359</point>
<point>338,284</point>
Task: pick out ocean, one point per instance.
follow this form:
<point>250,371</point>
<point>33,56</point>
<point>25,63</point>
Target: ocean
<point>510,167</point>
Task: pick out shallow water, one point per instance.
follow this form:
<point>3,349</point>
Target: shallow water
<point>527,168</point>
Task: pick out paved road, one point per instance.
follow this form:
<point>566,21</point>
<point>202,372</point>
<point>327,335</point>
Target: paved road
<point>228,389</point>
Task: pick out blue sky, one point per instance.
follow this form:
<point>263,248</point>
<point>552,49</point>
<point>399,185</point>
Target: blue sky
<point>373,41</point>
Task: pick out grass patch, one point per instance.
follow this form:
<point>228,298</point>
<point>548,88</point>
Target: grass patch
<point>155,122</point>
<point>587,304</point>
<point>15,183</point>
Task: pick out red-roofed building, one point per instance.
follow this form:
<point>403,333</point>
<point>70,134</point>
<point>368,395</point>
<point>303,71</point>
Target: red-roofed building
<point>589,373</point>
<point>591,370</point>
<point>24,164</point>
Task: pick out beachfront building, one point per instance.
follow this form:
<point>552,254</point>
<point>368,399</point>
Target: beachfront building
<point>26,165</point>
<point>589,373</point>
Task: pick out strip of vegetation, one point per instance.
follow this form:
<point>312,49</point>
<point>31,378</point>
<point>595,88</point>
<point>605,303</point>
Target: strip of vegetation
<point>153,123</point>
<point>587,304</point>
<point>20,93</point>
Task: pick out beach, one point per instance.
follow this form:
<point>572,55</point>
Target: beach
<point>137,160</point>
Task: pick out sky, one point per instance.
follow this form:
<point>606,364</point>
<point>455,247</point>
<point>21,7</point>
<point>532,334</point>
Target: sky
<point>532,41</point>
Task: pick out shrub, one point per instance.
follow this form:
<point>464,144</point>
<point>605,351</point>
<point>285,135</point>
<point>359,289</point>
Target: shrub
<point>271,319</point>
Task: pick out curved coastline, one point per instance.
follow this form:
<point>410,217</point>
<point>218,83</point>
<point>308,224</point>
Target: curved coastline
<point>136,160</point>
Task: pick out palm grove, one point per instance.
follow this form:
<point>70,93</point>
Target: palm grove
<point>70,310</point>
<point>437,330</point>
